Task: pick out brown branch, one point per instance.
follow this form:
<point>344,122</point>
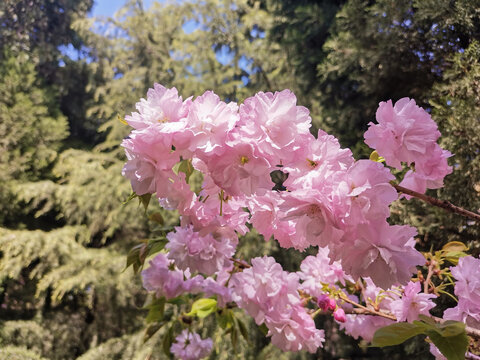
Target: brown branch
<point>242,264</point>
<point>366,310</point>
<point>363,310</point>
<point>446,205</point>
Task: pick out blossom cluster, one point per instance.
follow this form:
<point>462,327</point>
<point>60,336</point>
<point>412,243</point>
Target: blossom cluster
<point>467,289</point>
<point>190,346</point>
<point>406,133</point>
<point>332,201</point>
<point>405,303</point>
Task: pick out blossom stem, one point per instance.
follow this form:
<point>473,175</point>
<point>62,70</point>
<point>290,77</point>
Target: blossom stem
<point>241,263</point>
<point>429,276</point>
<point>362,310</point>
<point>444,204</point>
<point>367,310</point>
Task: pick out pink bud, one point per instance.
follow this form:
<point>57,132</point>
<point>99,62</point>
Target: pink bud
<point>339,315</point>
<point>326,303</point>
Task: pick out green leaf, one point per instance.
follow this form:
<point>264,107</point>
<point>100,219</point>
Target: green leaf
<point>168,341</point>
<point>234,338</point>
<point>242,328</point>
<point>184,166</point>
<point>145,200</point>
<point>203,307</point>
<point>133,258</point>
<point>151,330</point>
<point>454,256</point>
<point>156,245</point>
<point>395,334</point>
<point>132,196</point>
<point>225,319</point>
<point>450,328</point>
<point>177,301</point>
<point>455,246</point>
<point>156,310</point>
<point>452,347</point>
<point>447,328</point>
<point>157,217</point>
<point>263,328</point>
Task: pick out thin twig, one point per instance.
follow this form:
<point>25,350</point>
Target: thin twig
<point>363,310</point>
<point>444,204</point>
<point>241,263</point>
<point>368,311</point>
<point>429,276</point>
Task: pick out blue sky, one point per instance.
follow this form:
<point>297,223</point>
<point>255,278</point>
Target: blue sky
<point>108,7</point>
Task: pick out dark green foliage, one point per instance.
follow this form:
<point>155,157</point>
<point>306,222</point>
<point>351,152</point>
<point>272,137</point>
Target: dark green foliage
<point>39,27</point>
<point>31,125</point>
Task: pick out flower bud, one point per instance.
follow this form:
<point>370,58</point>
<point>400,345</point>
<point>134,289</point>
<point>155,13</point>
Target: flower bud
<point>339,315</point>
<point>326,303</point>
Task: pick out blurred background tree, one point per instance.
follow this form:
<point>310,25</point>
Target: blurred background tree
<point>65,78</point>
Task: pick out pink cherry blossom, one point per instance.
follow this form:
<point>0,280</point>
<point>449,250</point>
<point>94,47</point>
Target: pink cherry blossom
<point>363,326</point>
<point>370,191</point>
<point>315,154</point>
<point>384,252</point>
<point>206,254</point>
<point>429,171</point>
<point>210,120</point>
<point>313,217</point>
<point>467,289</point>
<point>163,107</point>
<point>239,170</point>
<point>190,346</point>
<point>295,332</point>
<point>412,303</point>
<point>276,124</point>
<point>147,157</point>
<point>403,134</point>
<point>265,290</point>
<point>319,270</point>
<point>169,283</point>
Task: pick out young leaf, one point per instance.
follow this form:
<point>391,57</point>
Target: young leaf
<point>157,217</point>
<point>203,307</point>
<point>452,347</point>
<point>242,328</point>
<point>234,338</point>
<point>374,156</point>
<point>454,246</point>
<point>151,330</point>
<point>168,341</point>
<point>156,245</point>
<point>145,200</point>
<point>156,310</point>
<point>263,328</point>
<point>133,258</point>
<point>395,334</point>
<point>184,166</point>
